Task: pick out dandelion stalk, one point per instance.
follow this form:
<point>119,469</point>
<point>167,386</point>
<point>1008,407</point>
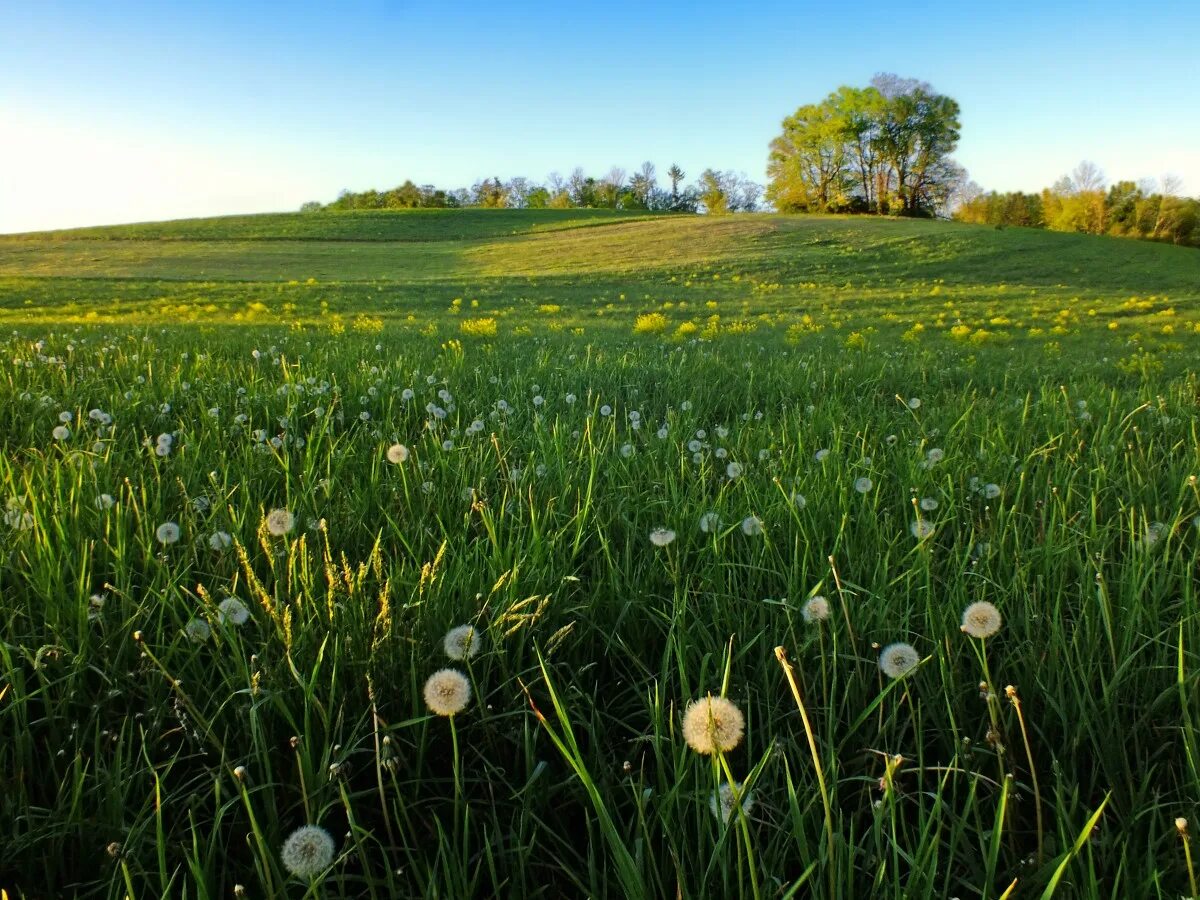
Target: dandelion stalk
<point>1011,693</point>
<point>1181,826</point>
<point>781,655</point>
<point>743,821</point>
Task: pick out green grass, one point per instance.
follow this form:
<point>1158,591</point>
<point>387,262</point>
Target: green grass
<point>419,225</point>
<point>1056,379</point>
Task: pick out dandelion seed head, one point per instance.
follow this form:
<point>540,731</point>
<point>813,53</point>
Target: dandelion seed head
<point>197,630</point>
<point>307,852</point>
<point>713,725</point>
<point>710,522</point>
<point>816,609</point>
<point>397,453</point>
<point>461,642</point>
<point>863,484</point>
<point>921,529</point>
<point>897,660</point>
<point>752,526</point>
<point>660,537</point>
<point>724,800</point>
<point>280,522</point>
<point>981,620</point>
<point>167,533</point>
<point>447,692</point>
<point>233,610</point>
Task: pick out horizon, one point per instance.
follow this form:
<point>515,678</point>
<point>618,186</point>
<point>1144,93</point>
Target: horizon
<point>144,115</point>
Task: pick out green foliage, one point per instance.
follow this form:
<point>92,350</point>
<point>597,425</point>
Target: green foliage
<point>884,148</point>
<point>1079,203</point>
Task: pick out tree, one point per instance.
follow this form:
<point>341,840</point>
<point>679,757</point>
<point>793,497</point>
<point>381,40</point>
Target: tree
<point>489,194</point>
<point>807,163</point>
<point>537,198</point>
<point>918,131</point>
<point>310,207</point>
<point>608,189</point>
<point>581,188</point>
<point>883,148</point>
<point>676,175</point>
<point>641,188</point>
<point>714,192</point>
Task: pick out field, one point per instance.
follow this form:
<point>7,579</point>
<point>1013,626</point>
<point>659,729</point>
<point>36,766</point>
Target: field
<point>648,460</point>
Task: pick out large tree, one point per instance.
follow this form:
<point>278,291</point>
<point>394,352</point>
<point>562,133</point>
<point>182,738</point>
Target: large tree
<point>882,148</point>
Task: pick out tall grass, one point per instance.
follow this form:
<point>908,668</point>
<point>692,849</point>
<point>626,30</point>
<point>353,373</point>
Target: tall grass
<point>138,761</point>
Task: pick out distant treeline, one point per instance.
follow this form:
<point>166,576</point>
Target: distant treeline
<point>713,192</point>
<point>1080,202</point>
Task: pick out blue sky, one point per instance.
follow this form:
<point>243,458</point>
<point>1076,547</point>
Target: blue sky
<point>126,111</point>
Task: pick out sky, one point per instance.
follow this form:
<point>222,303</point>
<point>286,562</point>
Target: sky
<point>123,110</point>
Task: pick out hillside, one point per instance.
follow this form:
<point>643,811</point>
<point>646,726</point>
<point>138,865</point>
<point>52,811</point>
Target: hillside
<point>596,266</point>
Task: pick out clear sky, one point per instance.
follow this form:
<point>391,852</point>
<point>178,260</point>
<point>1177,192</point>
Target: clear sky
<point>129,110</point>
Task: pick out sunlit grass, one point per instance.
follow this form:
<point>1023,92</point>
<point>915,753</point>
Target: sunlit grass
<point>629,519</point>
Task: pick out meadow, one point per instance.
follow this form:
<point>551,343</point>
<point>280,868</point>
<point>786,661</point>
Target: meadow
<point>266,478</point>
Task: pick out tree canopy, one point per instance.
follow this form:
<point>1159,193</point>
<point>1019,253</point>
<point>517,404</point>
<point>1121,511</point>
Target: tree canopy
<point>714,192</point>
<point>882,149</point>
<point>1147,209</point>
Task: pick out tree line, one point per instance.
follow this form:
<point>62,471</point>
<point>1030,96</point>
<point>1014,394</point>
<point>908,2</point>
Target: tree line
<point>883,149</point>
<point>1083,202</point>
<point>714,191</point>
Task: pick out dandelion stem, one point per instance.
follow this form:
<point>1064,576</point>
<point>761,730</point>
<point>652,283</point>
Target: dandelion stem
<point>781,655</point>
<point>837,580</point>
<point>1037,793</point>
<point>743,821</point>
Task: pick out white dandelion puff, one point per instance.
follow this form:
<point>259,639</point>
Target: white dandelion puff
<point>725,799</point>
<point>713,725</point>
<point>921,529</point>
<point>447,692</point>
<point>397,453</point>
<point>981,620</point>
<point>231,609</point>
<point>167,533</point>
<point>897,660</point>
<point>660,537</point>
<point>197,631</point>
<point>752,526</point>
<point>461,642</point>
<point>307,852</point>
<point>280,522</point>
<point>816,609</point>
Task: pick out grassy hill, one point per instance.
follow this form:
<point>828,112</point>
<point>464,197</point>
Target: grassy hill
<point>347,225</point>
<point>599,270</point>
<point>419,245</point>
